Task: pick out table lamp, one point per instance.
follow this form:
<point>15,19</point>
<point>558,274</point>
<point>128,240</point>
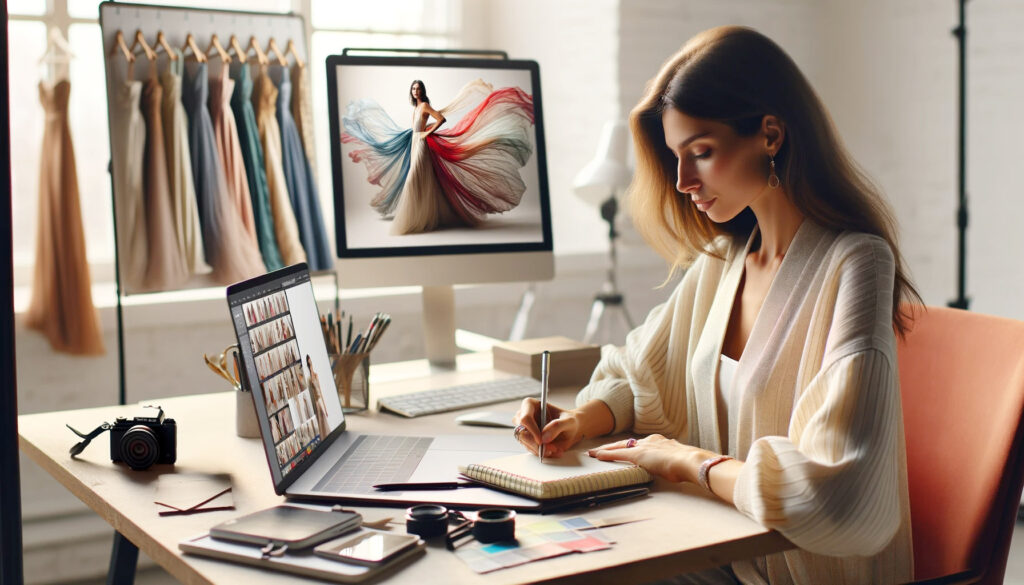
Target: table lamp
<point>600,184</point>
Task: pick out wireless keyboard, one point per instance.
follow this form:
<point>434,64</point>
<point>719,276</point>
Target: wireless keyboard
<point>461,396</point>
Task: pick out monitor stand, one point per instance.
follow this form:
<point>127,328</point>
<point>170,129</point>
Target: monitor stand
<point>439,326</point>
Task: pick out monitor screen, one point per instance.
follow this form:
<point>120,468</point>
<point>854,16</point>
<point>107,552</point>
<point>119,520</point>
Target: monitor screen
<point>437,156</point>
<point>286,363</point>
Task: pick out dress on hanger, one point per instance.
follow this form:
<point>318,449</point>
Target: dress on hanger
<point>226,133</point>
<point>255,169</point>
<point>302,112</point>
<point>179,170</point>
<point>455,176</point>
<point>166,268</point>
<point>61,304</point>
<point>224,237</point>
<point>302,187</point>
<point>285,227</point>
<point>127,143</point>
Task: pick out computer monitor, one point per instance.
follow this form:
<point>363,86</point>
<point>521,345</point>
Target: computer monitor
<point>465,202</point>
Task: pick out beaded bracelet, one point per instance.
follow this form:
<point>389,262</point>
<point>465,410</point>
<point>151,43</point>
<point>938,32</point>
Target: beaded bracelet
<point>705,469</point>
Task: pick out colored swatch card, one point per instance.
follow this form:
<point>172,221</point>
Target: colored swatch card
<point>543,539</point>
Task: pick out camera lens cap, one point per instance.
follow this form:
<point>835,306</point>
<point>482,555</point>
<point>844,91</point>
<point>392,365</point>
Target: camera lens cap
<point>426,520</point>
<point>495,525</point>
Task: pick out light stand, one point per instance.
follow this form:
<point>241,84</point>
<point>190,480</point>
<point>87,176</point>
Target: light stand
<point>608,312</point>
<point>960,32</point>
<point>599,184</point>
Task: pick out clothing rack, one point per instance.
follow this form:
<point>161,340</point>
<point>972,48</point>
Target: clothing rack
<point>176,23</point>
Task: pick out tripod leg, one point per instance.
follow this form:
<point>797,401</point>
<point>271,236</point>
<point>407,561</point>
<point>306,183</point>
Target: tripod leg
<point>523,314</point>
<point>596,310</point>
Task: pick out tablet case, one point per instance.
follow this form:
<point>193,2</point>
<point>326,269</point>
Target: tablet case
<point>303,563</point>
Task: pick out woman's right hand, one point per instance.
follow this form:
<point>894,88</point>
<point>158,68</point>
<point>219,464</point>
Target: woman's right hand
<point>563,429</point>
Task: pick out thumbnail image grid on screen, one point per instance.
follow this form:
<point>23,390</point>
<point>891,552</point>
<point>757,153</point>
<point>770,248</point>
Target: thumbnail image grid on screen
<point>290,384</point>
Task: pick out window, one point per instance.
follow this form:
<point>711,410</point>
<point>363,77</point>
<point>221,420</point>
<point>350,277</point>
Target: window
<point>334,25</point>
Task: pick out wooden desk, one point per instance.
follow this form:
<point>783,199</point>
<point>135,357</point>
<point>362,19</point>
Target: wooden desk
<point>686,529</point>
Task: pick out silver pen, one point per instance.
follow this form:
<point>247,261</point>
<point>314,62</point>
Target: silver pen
<point>545,360</point>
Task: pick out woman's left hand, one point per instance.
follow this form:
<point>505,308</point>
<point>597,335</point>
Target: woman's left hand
<point>661,456</point>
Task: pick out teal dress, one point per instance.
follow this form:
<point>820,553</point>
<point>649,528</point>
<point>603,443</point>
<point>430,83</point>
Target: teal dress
<point>255,170</point>
<point>299,178</point>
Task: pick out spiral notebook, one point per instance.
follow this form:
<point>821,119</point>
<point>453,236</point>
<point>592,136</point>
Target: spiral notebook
<point>573,474</point>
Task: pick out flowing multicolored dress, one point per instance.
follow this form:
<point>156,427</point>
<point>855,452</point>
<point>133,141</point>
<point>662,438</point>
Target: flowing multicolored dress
<point>454,176</point>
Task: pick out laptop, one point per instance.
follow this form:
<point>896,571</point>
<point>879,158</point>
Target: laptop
<point>310,451</point>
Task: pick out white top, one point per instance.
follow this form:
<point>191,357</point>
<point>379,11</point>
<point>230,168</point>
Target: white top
<point>818,426</point>
<point>727,386</point>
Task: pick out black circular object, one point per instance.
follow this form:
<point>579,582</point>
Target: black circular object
<point>427,520</point>
<point>139,447</point>
<point>495,525</point>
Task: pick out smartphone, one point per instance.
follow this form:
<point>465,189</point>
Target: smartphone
<point>367,548</point>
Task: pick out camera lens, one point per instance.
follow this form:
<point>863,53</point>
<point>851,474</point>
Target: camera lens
<point>139,447</point>
<point>426,520</point>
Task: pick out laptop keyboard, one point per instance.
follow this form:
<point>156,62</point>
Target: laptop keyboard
<point>373,459</point>
<point>459,397</point>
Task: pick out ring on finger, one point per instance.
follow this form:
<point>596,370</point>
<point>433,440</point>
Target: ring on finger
<point>631,443</point>
<point>518,431</point>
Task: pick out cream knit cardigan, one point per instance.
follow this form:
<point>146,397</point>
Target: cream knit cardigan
<point>819,423</point>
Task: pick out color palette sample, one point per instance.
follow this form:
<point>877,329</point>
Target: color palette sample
<point>542,539</point>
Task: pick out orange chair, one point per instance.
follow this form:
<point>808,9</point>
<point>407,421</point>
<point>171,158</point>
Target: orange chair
<point>962,383</point>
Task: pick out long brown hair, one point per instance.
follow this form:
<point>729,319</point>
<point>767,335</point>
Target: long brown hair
<point>736,76</point>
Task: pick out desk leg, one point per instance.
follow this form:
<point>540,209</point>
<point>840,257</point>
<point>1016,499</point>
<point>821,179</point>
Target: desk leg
<point>123,559</point>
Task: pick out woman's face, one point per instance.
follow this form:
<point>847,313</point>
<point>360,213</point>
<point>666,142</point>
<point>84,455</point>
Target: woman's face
<point>720,172</point>
<point>414,91</point>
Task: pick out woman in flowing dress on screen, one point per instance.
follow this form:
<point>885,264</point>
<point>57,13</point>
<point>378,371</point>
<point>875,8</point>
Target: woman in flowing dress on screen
<point>318,398</point>
<point>431,179</point>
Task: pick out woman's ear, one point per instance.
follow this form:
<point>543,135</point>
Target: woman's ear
<point>774,131</point>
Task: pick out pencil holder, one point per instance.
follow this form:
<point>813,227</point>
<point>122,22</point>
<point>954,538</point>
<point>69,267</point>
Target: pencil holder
<point>352,377</point>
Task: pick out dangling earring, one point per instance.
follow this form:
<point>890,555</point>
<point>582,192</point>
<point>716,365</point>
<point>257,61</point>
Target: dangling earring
<point>773,179</point>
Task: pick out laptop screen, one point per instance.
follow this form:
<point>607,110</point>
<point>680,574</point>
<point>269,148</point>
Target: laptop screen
<point>286,363</point>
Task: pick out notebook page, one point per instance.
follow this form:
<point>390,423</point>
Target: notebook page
<point>573,473</point>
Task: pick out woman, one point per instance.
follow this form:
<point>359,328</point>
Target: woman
<point>431,180</point>
<point>769,377</point>
<point>318,400</point>
<point>422,205</point>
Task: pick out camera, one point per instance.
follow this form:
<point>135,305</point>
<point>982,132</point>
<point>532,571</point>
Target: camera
<point>144,440</point>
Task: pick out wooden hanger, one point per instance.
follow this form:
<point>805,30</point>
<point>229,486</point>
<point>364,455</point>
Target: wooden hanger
<point>219,48</point>
<point>273,49</point>
<point>261,57</point>
<point>119,43</point>
<point>140,46</point>
<point>190,44</point>
<point>290,49</point>
<point>161,43</point>
<point>236,47</point>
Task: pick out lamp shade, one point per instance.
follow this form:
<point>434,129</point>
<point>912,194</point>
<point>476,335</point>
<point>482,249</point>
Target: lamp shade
<point>607,174</point>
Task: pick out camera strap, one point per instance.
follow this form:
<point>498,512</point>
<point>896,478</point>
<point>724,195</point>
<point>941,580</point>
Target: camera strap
<point>79,447</point>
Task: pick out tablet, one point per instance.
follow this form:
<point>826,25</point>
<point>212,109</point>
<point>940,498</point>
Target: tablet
<point>292,526</point>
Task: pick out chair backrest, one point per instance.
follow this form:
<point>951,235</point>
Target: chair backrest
<point>962,383</point>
